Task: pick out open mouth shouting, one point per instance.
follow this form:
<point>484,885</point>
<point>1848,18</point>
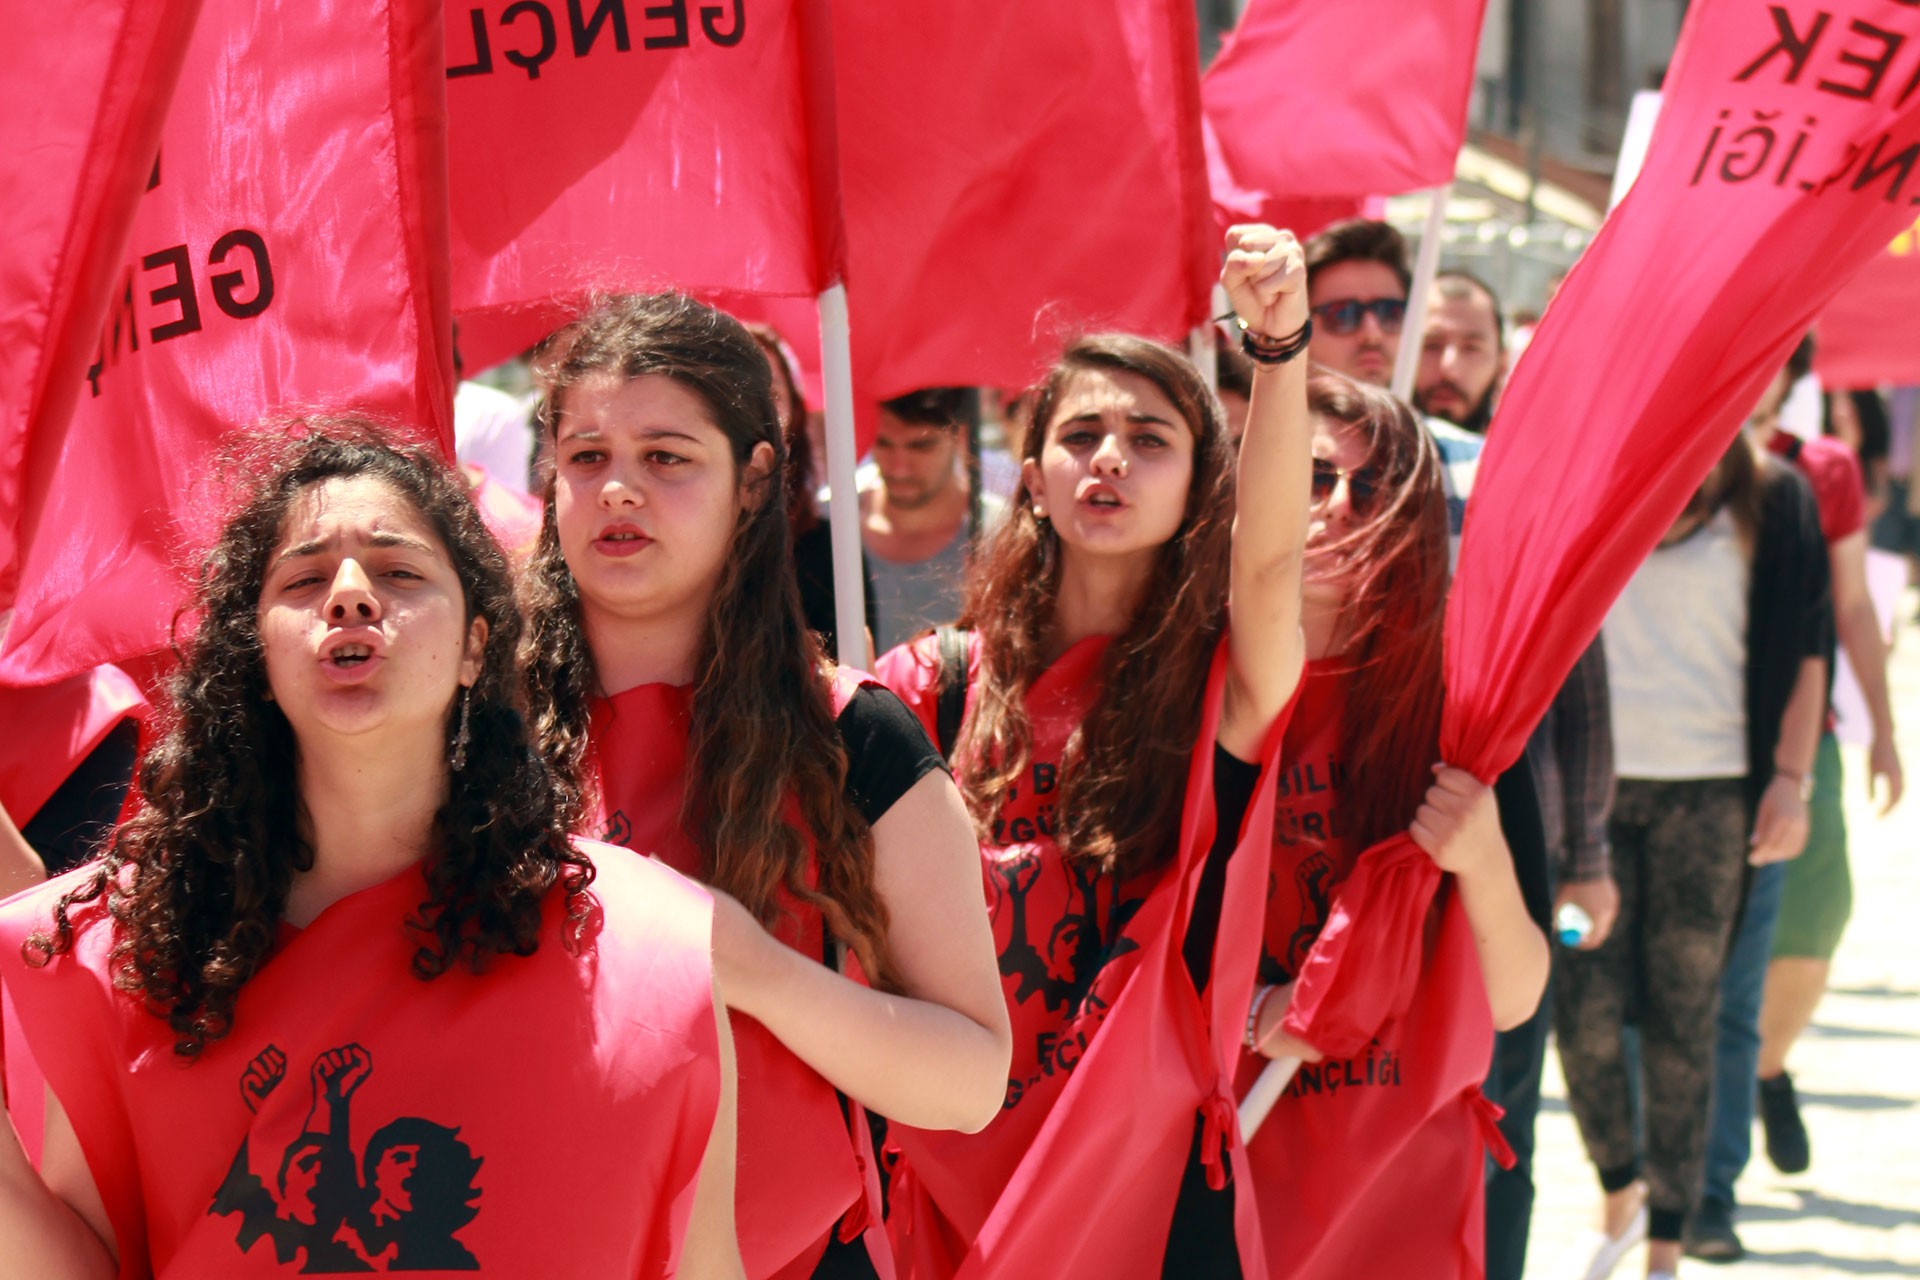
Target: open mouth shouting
<point>352,656</point>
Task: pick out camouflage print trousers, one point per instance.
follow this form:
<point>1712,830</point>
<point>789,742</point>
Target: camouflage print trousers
<point>1679,857</point>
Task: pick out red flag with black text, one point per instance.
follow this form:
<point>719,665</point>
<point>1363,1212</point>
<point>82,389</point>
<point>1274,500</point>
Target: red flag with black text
<point>1364,97</point>
<point>614,146</point>
<point>1870,333</point>
<point>72,166</point>
<point>1787,155</point>
<point>288,250</point>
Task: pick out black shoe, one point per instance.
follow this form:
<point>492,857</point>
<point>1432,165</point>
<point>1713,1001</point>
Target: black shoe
<point>1710,1233</point>
<point>1786,1133</point>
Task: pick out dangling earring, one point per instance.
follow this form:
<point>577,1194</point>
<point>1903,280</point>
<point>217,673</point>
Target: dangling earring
<point>459,760</point>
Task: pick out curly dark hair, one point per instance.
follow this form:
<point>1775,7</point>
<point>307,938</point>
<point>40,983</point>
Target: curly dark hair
<point>196,880</point>
<point>763,746</point>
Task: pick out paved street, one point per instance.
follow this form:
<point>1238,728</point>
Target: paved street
<point>1857,1211</point>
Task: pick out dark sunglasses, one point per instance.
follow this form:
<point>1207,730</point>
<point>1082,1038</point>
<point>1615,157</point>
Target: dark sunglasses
<point>1363,487</point>
<point>1345,315</point>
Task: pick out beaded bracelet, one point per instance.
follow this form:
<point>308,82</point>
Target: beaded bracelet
<point>1253,1017</point>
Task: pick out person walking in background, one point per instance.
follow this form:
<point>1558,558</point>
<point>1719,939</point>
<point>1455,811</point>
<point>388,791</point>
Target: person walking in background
<point>915,522</point>
<point>1778,968</point>
<point>1717,674</point>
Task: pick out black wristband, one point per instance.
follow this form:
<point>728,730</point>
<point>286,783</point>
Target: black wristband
<point>1264,350</point>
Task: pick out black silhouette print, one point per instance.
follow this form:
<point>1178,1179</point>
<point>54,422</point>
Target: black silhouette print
<point>1078,946</point>
<point>397,1209</point>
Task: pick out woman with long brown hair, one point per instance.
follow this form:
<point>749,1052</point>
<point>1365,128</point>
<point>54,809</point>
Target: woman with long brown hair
<point>674,683</point>
<point>1357,766</point>
<point>1095,670</point>
<point>333,995</point>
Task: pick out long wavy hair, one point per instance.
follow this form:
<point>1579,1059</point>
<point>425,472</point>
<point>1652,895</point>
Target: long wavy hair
<point>1116,811</point>
<point>762,745</point>
<point>1396,566</point>
<point>196,880</point>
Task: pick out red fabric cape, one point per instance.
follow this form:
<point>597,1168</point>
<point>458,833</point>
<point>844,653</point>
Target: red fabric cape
<point>1080,1172</point>
<point>804,1167</point>
<point>1370,1162</point>
<point>583,1080</point>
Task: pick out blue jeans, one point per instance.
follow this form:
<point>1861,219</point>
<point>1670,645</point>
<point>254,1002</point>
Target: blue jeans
<point>1736,1054</point>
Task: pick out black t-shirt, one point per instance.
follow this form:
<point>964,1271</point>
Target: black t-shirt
<point>1233,782</point>
<point>887,750</point>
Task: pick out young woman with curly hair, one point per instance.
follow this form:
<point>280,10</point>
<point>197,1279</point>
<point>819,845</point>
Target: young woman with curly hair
<point>1128,643</point>
<point>348,867</point>
<point>675,683</point>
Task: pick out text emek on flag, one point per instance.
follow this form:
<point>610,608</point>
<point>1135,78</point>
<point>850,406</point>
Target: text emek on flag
<point>73,163</point>
<point>284,254</point>
<point>1363,97</point>
<point>1784,159</point>
<point>615,146</point>
<point>1870,332</point>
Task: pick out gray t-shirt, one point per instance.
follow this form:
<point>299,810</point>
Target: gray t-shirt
<point>909,598</point>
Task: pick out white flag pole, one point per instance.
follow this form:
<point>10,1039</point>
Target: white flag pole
<point>1426,266</point>
<point>1266,1091</point>
<point>843,508</point>
<point>1204,354</point>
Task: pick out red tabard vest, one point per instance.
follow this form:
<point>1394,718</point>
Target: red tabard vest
<point>803,1169</point>
<point>547,1116</point>
<point>51,728</point>
<point>1113,1053</point>
<point>1373,1165</point>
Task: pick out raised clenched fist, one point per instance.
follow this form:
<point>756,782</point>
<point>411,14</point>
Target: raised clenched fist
<point>337,1073</point>
<point>1265,276</point>
<point>262,1076</point>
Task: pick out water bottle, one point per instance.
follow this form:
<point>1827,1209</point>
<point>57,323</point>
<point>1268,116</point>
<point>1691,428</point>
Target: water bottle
<point>1572,925</point>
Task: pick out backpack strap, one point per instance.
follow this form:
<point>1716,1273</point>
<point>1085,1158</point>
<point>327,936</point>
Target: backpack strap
<point>951,707</point>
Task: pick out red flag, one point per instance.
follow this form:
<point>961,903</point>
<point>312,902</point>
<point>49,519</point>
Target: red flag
<point>609,146</point>
<point>72,166</point>
<point>1016,173</point>
<point>54,728</point>
<point>286,253</point>
<point>1783,160</point>
<point>1365,97</point>
<point>1870,333</point>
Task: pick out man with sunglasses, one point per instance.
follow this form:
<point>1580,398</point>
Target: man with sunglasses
<point>1357,283</point>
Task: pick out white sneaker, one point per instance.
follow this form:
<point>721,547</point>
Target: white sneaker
<point>1596,1254</point>
<point>1661,1275</point>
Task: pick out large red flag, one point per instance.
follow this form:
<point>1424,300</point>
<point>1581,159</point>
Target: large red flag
<point>610,146</point>
<point>1870,332</point>
<point>289,250</point>
<point>1364,97</point>
<point>1016,173</point>
<point>1783,160</point>
<point>72,166</point>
